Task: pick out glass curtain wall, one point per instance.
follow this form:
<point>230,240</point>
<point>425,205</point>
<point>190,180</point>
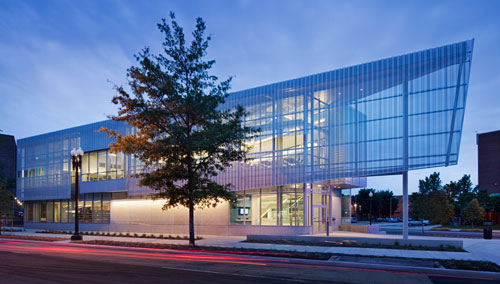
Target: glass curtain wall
<point>356,121</point>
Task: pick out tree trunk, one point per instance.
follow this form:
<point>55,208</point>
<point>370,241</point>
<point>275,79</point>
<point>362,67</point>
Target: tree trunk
<point>191,225</point>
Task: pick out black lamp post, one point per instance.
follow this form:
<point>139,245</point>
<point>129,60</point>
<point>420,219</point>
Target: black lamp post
<point>371,197</point>
<point>76,160</point>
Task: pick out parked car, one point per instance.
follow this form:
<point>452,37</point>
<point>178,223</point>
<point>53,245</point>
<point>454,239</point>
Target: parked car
<point>419,223</point>
<point>380,220</point>
<point>399,219</point>
<point>414,223</point>
<point>354,220</point>
<point>391,220</point>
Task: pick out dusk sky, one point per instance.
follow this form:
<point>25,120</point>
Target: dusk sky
<point>58,58</point>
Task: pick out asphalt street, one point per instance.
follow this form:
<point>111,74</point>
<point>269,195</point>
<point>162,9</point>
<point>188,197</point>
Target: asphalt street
<point>44,262</point>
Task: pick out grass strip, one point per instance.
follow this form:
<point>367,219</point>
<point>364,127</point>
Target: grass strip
<point>33,238</point>
<point>120,234</point>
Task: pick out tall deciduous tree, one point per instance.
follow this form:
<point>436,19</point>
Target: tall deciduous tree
<point>183,136</point>
<point>430,183</point>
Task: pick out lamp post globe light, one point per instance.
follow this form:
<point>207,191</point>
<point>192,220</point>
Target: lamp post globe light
<point>76,160</point>
<point>371,197</point>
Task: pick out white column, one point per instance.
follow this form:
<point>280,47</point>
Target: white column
<point>405,153</point>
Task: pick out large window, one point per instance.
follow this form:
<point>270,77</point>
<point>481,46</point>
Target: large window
<point>102,165</point>
<point>93,208</point>
<point>282,206</point>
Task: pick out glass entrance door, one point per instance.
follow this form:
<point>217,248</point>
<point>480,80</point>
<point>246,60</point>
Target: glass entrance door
<point>319,218</point>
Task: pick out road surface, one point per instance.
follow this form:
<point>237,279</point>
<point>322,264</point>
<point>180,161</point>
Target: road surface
<point>43,262</point>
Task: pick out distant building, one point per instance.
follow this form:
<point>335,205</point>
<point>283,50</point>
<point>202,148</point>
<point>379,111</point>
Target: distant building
<point>8,158</point>
<point>398,213</point>
<point>488,159</point>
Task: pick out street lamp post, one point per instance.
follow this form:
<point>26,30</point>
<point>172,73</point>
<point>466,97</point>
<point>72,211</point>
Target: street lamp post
<point>76,160</point>
<point>390,207</point>
<point>371,197</point>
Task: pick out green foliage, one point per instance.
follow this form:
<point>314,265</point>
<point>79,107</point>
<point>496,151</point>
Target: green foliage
<point>473,213</point>
<point>183,136</point>
<point>494,203</point>
<point>429,184</point>
<point>433,201</point>
<point>380,203</point>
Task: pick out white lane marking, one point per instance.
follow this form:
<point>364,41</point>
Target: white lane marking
<point>235,274</point>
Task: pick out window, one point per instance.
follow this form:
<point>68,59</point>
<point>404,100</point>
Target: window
<point>85,168</point>
<point>97,212</point>
<point>50,212</point>
<point>106,205</point>
<point>269,210</point>
<point>92,165</point>
<point>102,165</point>
<point>29,212</point>
<point>81,213</point>
<point>43,212</point>
<point>93,208</point>
<point>88,208</point>
<point>65,210</point>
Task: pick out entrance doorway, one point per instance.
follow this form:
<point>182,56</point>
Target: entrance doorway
<point>320,215</point>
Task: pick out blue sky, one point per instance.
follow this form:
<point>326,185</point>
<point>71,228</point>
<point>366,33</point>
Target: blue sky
<point>57,58</point>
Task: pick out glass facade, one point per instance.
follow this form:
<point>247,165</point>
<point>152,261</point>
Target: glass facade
<point>383,117</point>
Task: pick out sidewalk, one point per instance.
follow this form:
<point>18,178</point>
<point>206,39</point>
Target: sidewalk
<point>477,249</point>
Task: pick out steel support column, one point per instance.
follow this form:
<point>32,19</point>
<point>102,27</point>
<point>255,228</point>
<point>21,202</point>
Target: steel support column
<point>405,153</point>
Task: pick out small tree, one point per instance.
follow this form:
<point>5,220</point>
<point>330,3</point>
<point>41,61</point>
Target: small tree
<point>183,136</point>
<point>473,212</point>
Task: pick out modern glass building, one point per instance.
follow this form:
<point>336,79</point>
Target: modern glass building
<point>322,135</point>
